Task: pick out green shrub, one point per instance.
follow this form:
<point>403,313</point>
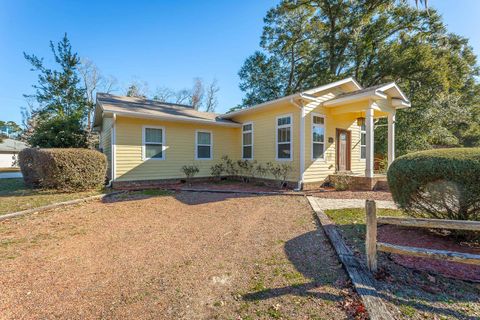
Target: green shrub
<point>261,170</point>
<point>341,182</point>
<point>246,169</point>
<point>63,169</point>
<point>26,163</point>
<point>442,183</point>
<point>279,171</point>
<point>217,170</point>
<point>230,166</point>
<point>190,171</point>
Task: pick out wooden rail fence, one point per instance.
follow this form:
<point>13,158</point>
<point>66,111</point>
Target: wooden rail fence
<point>372,246</point>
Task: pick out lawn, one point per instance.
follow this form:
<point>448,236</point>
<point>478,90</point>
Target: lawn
<point>14,196</point>
<point>162,255</point>
<point>416,294</point>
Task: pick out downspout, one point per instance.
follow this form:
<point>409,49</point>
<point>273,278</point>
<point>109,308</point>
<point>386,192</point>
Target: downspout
<point>112,151</point>
<point>302,143</point>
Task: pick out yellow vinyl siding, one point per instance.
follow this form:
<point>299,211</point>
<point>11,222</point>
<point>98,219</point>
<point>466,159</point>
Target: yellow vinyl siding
<point>264,135</point>
<point>317,170</point>
<point>179,149</point>
<point>106,142</point>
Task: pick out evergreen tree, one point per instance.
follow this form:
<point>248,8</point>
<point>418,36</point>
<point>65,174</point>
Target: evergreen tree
<point>61,100</point>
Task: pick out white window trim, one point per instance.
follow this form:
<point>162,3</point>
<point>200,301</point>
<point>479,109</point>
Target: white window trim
<point>360,143</point>
<point>210,145</point>
<point>323,158</point>
<point>291,136</point>
<point>163,142</point>
<point>246,145</point>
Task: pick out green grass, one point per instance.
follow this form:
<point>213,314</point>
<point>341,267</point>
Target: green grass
<point>15,196</point>
<point>352,223</point>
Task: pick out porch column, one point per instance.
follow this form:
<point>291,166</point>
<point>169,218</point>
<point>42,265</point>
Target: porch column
<point>391,138</point>
<point>370,142</point>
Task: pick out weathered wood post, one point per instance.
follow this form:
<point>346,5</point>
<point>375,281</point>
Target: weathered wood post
<point>371,237</point>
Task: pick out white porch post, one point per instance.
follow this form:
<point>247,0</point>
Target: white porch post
<point>370,142</point>
<point>391,138</point>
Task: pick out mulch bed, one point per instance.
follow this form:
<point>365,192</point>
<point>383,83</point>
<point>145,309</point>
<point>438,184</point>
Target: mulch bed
<point>223,186</point>
<point>422,238</point>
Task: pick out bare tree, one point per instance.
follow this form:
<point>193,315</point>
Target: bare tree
<point>183,96</point>
<point>137,89</point>
<point>211,101</point>
<point>198,93</point>
<point>94,82</point>
<point>164,94</point>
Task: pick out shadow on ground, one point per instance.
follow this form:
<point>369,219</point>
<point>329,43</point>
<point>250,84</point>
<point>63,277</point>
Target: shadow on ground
<point>186,197</point>
<point>306,253</point>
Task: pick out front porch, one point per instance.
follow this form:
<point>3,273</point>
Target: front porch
<point>368,106</point>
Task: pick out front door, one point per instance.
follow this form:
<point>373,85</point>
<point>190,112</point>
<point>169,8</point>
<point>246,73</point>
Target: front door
<point>343,150</point>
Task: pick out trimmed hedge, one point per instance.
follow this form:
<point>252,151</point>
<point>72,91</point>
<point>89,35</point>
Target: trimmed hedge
<point>440,183</point>
<point>63,169</point>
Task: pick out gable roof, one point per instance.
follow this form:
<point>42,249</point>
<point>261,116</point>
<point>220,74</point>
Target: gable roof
<point>152,109</point>
<point>11,145</point>
<point>378,91</point>
<point>310,92</point>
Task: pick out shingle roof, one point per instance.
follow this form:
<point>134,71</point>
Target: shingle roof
<point>11,145</point>
<point>153,108</point>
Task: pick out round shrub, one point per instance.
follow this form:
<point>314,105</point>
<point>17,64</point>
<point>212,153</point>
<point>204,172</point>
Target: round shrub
<point>440,183</point>
<point>64,169</point>
<point>26,163</point>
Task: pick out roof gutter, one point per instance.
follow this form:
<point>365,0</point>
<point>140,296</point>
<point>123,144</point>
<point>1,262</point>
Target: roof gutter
<point>302,142</point>
<point>174,119</point>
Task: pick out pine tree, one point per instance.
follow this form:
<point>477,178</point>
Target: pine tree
<point>61,100</point>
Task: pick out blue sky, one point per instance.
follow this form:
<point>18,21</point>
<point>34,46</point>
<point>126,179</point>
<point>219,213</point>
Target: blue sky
<point>165,43</point>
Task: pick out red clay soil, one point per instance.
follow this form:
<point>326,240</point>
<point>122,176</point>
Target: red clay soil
<point>222,186</point>
<point>422,238</point>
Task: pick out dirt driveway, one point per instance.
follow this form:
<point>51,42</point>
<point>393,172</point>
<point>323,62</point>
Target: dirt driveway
<point>180,256</point>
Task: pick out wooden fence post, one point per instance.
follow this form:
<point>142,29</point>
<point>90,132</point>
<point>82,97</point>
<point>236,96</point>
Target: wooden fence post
<point>371,236</point>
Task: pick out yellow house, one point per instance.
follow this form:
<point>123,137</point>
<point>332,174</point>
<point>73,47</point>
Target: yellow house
<point>318,132</point>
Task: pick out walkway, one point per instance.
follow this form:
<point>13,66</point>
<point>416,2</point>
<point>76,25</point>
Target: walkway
<point>326,204</point>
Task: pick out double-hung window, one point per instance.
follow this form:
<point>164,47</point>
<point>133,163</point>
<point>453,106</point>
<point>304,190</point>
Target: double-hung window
<point>153,143</point>
<point>247,141</point>
<point>284,138</point>
<point>363,141</point>
<point>203,145</point>
<point>318,137</point>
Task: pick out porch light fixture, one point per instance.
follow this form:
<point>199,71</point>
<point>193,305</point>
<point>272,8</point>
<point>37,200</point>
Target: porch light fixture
<point>330,140</point>
<point>360,122</point>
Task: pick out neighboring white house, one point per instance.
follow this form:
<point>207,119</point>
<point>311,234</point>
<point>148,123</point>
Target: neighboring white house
<point>9,149</point>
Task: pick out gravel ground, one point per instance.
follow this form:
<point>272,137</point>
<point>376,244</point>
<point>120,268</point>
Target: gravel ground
<point>181,256</point>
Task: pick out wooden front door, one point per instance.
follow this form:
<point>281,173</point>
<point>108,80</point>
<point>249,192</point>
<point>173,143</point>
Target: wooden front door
<point>343,150</point>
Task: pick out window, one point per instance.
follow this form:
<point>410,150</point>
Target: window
<point>363,141</point>
<point>153,143</point>
<point>318,137</point>
<point>284,138</point>
<point>203,148</point>
<point>247,141</point>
